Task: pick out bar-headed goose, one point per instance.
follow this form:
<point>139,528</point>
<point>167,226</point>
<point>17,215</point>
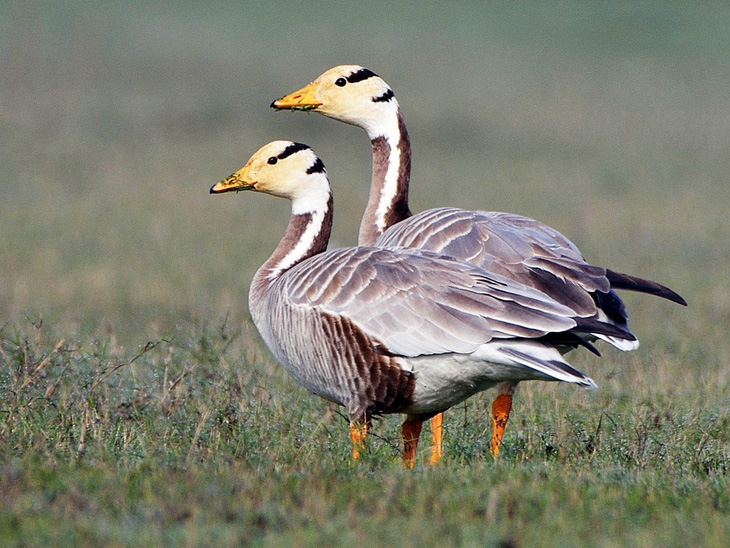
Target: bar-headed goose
<point>514,246</point>
<point>381,330</point>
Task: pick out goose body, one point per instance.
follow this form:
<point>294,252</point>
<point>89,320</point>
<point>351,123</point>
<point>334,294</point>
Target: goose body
<point>382,330</point>
<point>393,330</point>
<point>519,248</point>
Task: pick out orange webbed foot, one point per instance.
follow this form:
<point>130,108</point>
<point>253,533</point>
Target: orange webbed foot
<point>358,434</point>
<point>437,439</point>
<point>411,432</point>
<point>501,408</point>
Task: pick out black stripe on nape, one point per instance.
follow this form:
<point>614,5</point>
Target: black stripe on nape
<point>360,75</point>
<point>291,149</point>
<point>385,97</point>
<point>316,167</point>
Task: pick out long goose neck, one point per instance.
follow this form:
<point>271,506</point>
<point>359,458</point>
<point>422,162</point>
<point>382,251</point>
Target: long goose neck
<point>388,201</point>
<point>306,235</point>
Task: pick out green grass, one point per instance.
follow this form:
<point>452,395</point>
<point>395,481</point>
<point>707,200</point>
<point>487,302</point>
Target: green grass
<point>139,407</point>
<point>191,439</point>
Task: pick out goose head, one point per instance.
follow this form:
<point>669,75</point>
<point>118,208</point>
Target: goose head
<point>348,93</point>
<point>285,169</point>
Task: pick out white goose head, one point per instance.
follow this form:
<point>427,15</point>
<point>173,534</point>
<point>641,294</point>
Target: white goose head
<point>351,94</point>
<point>285,169</point>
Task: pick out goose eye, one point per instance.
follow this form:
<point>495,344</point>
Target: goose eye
<point>272,160</point>
<point>340,82</point>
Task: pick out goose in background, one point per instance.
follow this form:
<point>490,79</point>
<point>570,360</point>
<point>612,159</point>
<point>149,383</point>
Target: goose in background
<point>393,330</point>
<point>516,247</point>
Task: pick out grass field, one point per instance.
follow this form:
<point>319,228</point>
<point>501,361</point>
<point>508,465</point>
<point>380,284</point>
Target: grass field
<point>139,407</point>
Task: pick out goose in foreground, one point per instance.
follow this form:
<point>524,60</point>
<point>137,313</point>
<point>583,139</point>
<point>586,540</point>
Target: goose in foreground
<point>517,247</point>
<point>393,330</point>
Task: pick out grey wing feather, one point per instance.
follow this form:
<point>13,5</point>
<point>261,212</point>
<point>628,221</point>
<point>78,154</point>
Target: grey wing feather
<point>530,253</point>
<point>417,302</point>
<point>499,242</point>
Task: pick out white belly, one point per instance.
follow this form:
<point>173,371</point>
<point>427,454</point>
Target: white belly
<point>445,380</point>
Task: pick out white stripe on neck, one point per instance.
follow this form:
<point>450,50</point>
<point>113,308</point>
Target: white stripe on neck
<point>386,125</point>
<point>313,203</point>
<point>389,190</point>
<point>300,248</point>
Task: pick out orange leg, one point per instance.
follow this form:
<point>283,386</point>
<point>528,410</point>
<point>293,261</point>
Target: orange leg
<point>437,439</point>
<point>358,434</point>
<point>411,431</point>
<point>500,414</point>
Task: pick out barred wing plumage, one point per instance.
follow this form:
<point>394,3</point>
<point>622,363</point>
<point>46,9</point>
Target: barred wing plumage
<point>509,244</point>
<point>418,302</point>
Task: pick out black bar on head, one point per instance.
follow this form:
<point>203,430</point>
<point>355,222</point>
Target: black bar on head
<point>360,75</point>
<point>316,167</point>
<point>385,97</point>
<point>291,149</point>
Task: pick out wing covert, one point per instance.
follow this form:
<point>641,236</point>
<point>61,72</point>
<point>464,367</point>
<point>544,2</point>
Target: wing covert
<point>417,302</point>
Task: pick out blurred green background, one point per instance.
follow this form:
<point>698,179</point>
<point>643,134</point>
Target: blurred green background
<point>607,120</point>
